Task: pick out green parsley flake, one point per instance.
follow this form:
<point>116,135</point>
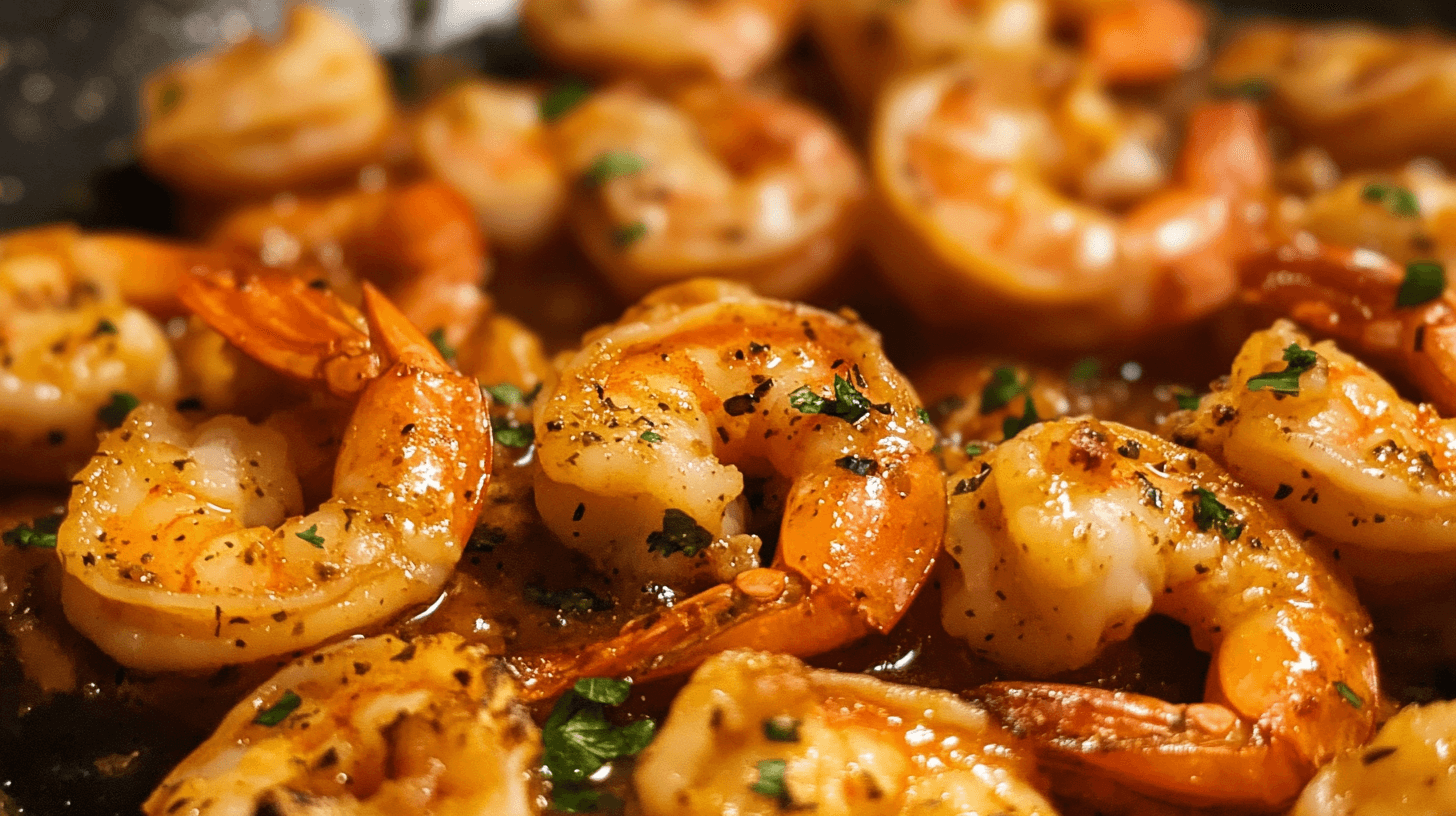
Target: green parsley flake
<point>1209,512</point>
<point>974,449</point>
<point>578,740</point>
<point>1424,282</point>
<point>1397,199</point>
<point>781,729</point>
<point>627,235</point>
<point>169,98</point>
<point>1349,694</point>
<point>1013,425</point>
<point>311,536</point>
<point>563,98</point>
<point>614,164</point>
<point>511,433</point>
<point>848,403</point>
<point>651,436</point>
<point>40,533</point>
<point>582,799</point>
<point>1085,370</point>
<point>604,690</point>
<point>279,711</point>
<point>679,533</point>
<point>104,326</point>
<point>805,401</point>
<point>567,601</point>
<point>1298,360</point>
<point>1001,389</point>
<point>113,413</point>
<point>507,394</point>
<point>771,781</point>
<point>923,415</point>
<point>442,345</point>
<point>1187,400</point>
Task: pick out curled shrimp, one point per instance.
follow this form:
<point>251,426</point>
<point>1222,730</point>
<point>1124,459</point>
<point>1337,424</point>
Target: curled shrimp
<point>488,141</point>
<point>1340,452</point>
<point>1064,537</point>
<point>662,40</point>
<point>723,182</point>
<point>418,242</point>
<point>183,545</point>
<point>262,117</point>
<point>1350,88</point>
<point>845,744</point>
<point>973,227</point>
<point>373,726</point>
<point>647,440</point>
<point>1404,771</point>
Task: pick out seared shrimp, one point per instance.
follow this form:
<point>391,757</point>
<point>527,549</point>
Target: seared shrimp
<point>662,40</point>
<point>724,182</point>
<point>756,733</point>
<point>1404,771</point>
<point>1371,97</point>
<point>1066,536</point>
<point>417,242</point>
<point>183,544</point>
<point>376,726</point>
<point>488,141</point>
<point>262,117</point>
<point>968,164</point>
<point>1340,451</point>
<point>647,440</point>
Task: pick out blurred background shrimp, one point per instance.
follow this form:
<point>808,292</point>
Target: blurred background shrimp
<point>372,726</point>
<point>1064,537</point>
<point>713,181</point>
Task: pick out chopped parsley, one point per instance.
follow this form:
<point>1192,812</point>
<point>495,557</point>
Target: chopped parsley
<point>104,326</point>
<point>857,465</point>
<point>511,433</point>
<point>923,415</point>
<point>40,533</point>
<point>578,740</point>
<point>650,437</point>
<point>679,533</point>
<point>1001,389</point>
<point>508,394</point>
<point>580,799</point>
<point>1349,694</point>
<point>771,781</point>
<point>113,413</point>
<point>562,98</point>
<point>1397,199</point>
<point>1209,512</point>
<point>974,449</point>
<point>567,601</point>
<point>848,403</point>
<point>1424,282</point>
<point>279,711</point>
<point>311,536</point>
<point>442,345</point>
<point>781,729</point>
<point>805,401</point>
<point>1085,370</point>
<point>169,98</point>
<point>614,164</point>
<point>1187,400</point>
<point>1299,360</point>
<point>1013,425</point>
<point>625,236</point>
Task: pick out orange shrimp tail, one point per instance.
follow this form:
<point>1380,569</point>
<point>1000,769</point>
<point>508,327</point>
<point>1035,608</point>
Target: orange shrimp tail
<point>1146,40</point>
<point>1194,754</point>
<point>284,323</point>
<point>395,338</point>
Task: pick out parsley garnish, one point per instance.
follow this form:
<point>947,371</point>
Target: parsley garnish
<point>1299,360</point>
<point>771,781</point>
<point>511,433</point>
<point>311,536</point>
<point>563,98</point>
<point>1001,389</point>
<point>848,403</point>
<point>614,164</point>
<point>626,236</point>
<point>974,449</point>
<point>1187,400</point>
<point>40,533</point>
<point>805,401</point>
<point>923,415</point>
<point>651,436</point>
<point>578,740</point>
<point>1013,425</point>
<point>781,729</point>
<point>679,533</point>
<point>1399,200</point>
<point>857,465</point>
<point>104,326</point>
<point>442,345</point>
<point>1085,370</point>
<point>567,601</point>
<point>1424,282</point>
<point>1210,512</point>
<point>168,99</point>
<point>507,394</point>
<point>279,711</point>
<point>579,799</point>
<point>113,413</point>
<point>1349,694</point>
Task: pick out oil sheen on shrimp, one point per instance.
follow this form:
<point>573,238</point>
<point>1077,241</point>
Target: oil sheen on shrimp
<point>184,544</point>
<point>846,744</point>
<point>1404,771</point>
<point>1068,535</point>
<point>368,728</point>
<point>719,181</point>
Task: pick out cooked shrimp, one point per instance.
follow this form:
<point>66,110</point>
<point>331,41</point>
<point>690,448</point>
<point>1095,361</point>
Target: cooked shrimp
<point>375,726</point>
<point>724,182</point>
<point>263,117</point>
<point>662,40</point>
<point>1341,452</point>
<point>182,544</point>
<point>488,141</point>
<point>417,242</point>
<point>1405,771</point>
<point>1066,536</point>
<point>1138,41</point>
<point>756,733</point>
<point>646,442</point>
<point>973,227</point>
<point>1369,96</point>
<point>1408,215</point>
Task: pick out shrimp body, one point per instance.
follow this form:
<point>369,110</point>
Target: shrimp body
<point>1064,537</point>
<point>263,117</point>
<point>850,744</point>
<point>1346,457</point>
<point>723,182</point>
<point>662,40</point>
<point>1404,771</point>
<point>969,163</point>
<point>183,546</point>
<point>368,727</point>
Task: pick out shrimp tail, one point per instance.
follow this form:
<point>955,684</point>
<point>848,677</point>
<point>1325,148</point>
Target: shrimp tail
<point>1198,752</point>
<point>395,338</point>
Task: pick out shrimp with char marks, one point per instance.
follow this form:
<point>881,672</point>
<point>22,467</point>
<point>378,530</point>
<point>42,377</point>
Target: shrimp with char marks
<point>183,545</point>
<point>1066,536</point>
<point>756,733</point>
<point>368,728</point>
